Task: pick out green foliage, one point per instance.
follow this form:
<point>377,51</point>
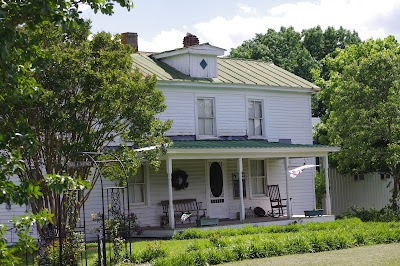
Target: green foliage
<point>300,53</point>
<point>362,95</point>
<point>320,188</point>
<point>310,238</point>
<point>386,214</point>
<point>284,48</point>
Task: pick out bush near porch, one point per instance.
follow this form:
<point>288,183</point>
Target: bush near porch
<point>199,247</point>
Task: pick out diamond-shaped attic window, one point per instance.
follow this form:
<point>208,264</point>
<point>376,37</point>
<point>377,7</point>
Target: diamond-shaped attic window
<point>203,64</point>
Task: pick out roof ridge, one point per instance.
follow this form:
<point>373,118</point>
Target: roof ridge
<point>245,59</point>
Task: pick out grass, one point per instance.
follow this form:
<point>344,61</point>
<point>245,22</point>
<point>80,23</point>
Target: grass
<point>196,247</point>
<point>386,254</point>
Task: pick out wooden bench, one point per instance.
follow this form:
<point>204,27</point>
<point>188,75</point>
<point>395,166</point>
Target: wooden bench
<point>182,206</point>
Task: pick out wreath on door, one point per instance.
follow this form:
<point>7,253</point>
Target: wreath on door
<point>179,179</point>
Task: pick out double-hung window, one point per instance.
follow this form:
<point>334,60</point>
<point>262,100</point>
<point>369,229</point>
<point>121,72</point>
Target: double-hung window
<point>258,177</point>
<point>255,114</point>
<point>206,117</point>
<point>137,187</point>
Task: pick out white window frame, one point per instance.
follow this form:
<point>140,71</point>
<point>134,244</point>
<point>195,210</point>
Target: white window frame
<point>262,178</point>
<point>262,119</point>
<point>132,184</point>
<point>213,117</point>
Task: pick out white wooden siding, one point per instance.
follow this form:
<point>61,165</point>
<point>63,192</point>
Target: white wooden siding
<point>180,109</point>
<point>6,216</point>
<point>286,115</point>
<point>231,120</point>
<point>189,64</point>
<point>372,192</point>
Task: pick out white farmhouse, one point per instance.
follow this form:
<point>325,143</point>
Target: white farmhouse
<point>230,116</point>
<point>238,127</point>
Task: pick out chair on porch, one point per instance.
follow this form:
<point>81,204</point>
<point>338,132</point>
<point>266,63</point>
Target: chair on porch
<point>276,201</point>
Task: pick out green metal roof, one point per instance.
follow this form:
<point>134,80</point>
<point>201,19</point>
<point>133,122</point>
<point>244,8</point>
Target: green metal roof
<point>235,144</point>
<point>230,71</point>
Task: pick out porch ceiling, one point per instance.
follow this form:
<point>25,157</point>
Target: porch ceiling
<point>244,148</point>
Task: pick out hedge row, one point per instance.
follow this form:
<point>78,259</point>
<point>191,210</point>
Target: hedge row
<point>221,250</point>
<point>194,233</point>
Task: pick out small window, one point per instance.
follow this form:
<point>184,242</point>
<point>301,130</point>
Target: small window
<point>206,116</point>
<point>258,177</point>
<point>385,176</point>
<point>255,114</point>
<point>358,177</point>
<point>236,190</point>
<point>137,187</point>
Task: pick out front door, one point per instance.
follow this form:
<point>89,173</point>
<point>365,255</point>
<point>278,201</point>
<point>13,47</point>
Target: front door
<point>216,190</point>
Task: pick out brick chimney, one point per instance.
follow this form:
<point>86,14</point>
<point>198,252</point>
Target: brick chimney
<point>130,38</point>
<point>190,40</point>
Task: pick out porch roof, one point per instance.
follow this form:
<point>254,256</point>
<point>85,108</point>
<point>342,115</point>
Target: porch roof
<point>251,148</point>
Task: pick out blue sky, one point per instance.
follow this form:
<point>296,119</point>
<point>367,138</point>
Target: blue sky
<point>161,25</point>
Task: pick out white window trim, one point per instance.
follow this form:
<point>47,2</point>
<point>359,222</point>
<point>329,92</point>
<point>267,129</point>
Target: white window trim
<point>146,189</point>
<point>215,133</point>
<point>263,127</point>
<point>250,178</point>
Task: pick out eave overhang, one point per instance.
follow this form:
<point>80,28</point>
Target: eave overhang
<point>219,149</point>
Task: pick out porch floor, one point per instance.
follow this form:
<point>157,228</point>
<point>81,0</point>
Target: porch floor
<point>166,232</point>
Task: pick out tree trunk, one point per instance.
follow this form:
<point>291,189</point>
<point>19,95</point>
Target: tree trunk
<point>395,192</point>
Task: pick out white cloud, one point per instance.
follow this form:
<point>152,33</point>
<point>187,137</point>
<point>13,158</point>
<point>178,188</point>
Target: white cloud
<point>248,10</point>
<point>164,41</point>
<point>83,7</point>
<point>370,18</point>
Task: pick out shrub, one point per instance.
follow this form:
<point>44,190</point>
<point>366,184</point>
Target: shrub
<point>290,240</point>
<point>386,214</point>
<point>152,252</point>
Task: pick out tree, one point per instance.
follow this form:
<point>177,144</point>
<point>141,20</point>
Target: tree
<point>322,43</point>
<point>19,56</point>
<point>298,53</point>
<point>362,96</point>
<point>91,96</point>
<point>284,48</point>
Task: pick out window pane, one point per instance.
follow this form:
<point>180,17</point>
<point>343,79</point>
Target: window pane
<point>200,108</point>
<point>257,110</point>
<point>138,193</point>
<point>260,168</point>
<point>253,168</point>
<point>251,109</point>
<point>260,186</point>
<point>254,185</point>
<point>201,126</point>
<point>139,178</point>
<point>257,127</point>
<point>209,108</point>
<point>209,126</point>
<point>251,127</point>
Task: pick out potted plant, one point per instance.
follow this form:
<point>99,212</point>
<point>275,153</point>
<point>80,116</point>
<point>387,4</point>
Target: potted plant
<point>314,212</point>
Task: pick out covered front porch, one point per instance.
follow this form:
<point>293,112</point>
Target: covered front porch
<point>167,232</point>
<point>244,168</point>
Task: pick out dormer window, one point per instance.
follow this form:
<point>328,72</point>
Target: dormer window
<point>206,117</point>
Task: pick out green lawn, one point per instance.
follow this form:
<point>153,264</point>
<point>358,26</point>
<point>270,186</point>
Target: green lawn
<point>312,240</point>
<point>387,254</point>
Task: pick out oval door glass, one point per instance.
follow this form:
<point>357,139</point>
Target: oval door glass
<point>216,179</point>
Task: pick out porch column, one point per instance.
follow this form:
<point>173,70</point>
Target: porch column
<point>327,191</point>
<point>240,168</point>
<point>288,201</point>
<point>170,197</point>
